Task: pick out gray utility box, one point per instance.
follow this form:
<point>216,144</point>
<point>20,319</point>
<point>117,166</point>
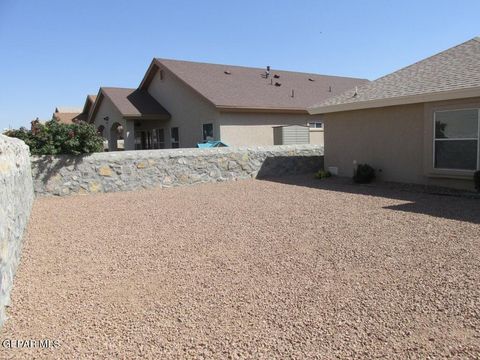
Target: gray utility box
<point>291,134</point>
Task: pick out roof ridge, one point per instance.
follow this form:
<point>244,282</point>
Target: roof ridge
<point>257,68</point>
<point>116,87</point>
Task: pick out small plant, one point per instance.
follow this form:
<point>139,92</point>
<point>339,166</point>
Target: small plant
<point>322,174</point>
<point>476,180</point>
<point>364,174</point>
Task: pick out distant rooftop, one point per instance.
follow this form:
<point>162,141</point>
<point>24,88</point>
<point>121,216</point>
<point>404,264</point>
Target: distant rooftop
<point>68,109</point>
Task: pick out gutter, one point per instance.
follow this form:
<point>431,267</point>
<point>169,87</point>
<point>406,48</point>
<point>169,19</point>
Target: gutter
<point>401,100</point>
<point>226,108</point>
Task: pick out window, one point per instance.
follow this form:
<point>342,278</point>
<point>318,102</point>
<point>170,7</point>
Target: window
<point>160,135</point>
<point>456,139</point>
<point>149,139</point>
<point>175,140</point>
<point>207,132</point>
<point>315,125</point>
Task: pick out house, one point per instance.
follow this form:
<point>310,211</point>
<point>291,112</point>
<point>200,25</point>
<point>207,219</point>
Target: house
<point>70,115</point>
<point>66,115</point>
<point>419,124</point>
<point>191,102</point>
<point>129,114</point>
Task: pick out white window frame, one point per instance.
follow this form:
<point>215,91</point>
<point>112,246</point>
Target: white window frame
<point>477,139</point>
<point>315,127</point>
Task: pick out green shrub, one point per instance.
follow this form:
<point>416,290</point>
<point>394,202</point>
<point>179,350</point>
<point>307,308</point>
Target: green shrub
<point>322,174</point>
<point>476,180</point>
<point>53,138</point>
<point>364,174</point>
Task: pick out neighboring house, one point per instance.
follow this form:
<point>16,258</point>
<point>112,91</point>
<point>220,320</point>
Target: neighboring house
<point>70,115</point>
<point>131,115</point>
<point>418,125</point>
<point>196,102</point>
<point>66,115</point>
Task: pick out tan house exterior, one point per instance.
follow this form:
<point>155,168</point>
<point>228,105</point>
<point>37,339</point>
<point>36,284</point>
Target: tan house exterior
<point>419,125</point>
<point>120,112</point>
<point>233,104</point>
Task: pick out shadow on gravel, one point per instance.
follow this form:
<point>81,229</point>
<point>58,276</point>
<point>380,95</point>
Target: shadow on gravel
<point>438,202</point>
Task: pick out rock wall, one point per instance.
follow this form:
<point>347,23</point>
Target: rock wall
<point>132,170</point>
<point>16,198</point>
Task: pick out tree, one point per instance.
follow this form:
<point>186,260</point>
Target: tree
<point>53,138</point>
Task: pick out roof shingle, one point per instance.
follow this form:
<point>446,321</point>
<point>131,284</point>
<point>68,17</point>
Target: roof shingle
<point>228,86</point>
<point>134,102</point>
<point>453,69</point>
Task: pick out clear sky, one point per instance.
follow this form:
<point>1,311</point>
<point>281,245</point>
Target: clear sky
<point>55,52</point>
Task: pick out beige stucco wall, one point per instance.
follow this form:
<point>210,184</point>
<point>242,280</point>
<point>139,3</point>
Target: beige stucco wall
<point>105,109</point>
<point>397,141</point>
<point>245,128</point>
<point>188,110</point>
<point>316,136</point>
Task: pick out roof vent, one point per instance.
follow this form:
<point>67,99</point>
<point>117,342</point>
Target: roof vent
<point>329,89</point>
<point>267,73</point>
<point>227,72</point>
<point>355,94</point>
<point>278,84</point>
<point>293,93</point>
<point>276,76</point>
<point>310,79</point>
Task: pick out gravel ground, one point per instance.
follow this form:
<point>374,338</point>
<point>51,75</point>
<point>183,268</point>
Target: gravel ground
<point>250,269</point>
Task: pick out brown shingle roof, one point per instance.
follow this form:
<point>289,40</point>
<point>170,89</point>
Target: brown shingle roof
<point>133,103</point>
<point>92,98</point>
<point>454,69</point>
<point>65,117</point>
<point>227,86</point>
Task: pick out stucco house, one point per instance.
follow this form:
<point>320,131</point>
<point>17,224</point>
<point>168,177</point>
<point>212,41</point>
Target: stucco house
<point>119,113</point>
<point>419,124</point>
<point>191,102</point>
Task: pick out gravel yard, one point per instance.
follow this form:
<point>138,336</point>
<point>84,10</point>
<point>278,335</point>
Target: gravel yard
<point>250,269</point>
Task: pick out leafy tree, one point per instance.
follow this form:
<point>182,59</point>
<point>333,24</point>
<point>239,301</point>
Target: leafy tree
<point>53,138</point>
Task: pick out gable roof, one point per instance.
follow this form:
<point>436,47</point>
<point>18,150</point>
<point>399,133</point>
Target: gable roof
<point>131,103</point>
<point>68,109</point>
<point>64,117</point>
<point>87,107</point>
<point>230,87</point>
<point>450,74</point>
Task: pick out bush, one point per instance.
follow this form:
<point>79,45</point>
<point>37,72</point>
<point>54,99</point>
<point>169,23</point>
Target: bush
<point>476,180</point>
<point>53,138</point>
<point>364,174</point>
<point>322,174</point>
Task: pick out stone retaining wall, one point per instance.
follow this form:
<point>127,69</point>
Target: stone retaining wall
<point>16,198</point>
<point>132,170</point>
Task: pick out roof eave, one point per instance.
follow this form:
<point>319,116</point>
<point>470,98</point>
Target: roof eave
<point>401,100</point>
<point>226,108</point>
<point>146,117</point>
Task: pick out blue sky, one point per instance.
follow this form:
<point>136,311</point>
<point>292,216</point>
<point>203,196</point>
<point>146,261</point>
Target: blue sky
<point>55,52</point>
